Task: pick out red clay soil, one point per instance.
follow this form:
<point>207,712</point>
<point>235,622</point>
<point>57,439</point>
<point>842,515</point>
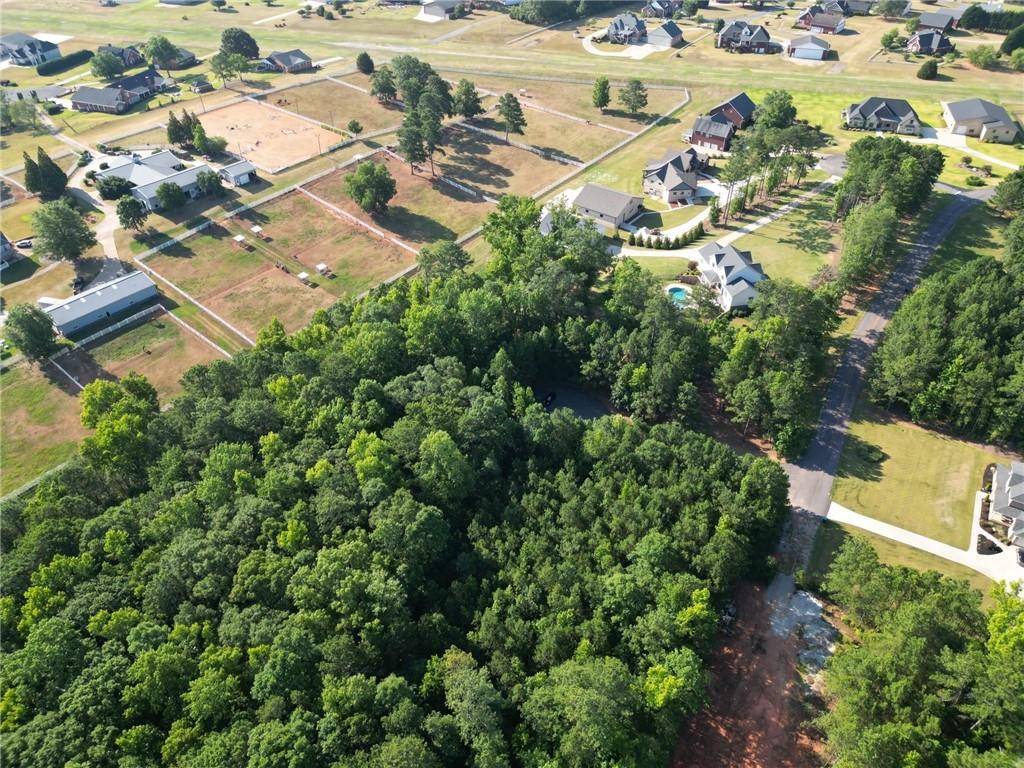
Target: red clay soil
<point>755,718</point>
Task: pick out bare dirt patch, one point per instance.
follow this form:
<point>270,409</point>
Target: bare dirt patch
<point>270,294</point>
<point>271,138</point>
<point>755,718</point>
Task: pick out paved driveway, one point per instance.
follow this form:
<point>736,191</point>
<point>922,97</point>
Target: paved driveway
<point>811,477</point>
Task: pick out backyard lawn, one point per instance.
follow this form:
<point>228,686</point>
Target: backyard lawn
<point>796,245</point>
<point>831,536</point>
<point>979,233</point>
<point>914,478</point>
<point>40,427</point>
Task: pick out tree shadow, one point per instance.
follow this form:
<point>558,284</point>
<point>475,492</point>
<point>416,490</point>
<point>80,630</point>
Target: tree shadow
<point>413,226</point>
<point>861,460</point>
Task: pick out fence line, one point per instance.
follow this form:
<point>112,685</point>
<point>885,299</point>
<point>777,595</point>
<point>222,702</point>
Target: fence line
<point>115,327</point>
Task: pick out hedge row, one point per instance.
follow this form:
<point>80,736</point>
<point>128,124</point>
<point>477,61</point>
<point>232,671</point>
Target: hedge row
<point>64,63</point>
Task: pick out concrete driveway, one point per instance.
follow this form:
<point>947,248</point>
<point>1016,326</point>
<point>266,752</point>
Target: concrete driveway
<point>635,52</point>
<point>1001,566</point>
<point>946,138</point>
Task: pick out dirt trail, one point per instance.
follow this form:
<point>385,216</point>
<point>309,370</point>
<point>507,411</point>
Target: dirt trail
<point>756,717</point>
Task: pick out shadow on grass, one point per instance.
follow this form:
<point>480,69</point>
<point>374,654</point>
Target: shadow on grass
<point>861,460</point>
<point>22,269</point>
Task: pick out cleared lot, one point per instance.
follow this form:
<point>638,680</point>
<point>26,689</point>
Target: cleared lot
<point>334,104</point>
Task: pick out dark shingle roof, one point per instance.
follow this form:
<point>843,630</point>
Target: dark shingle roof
<point>935,19</point>
<point>289,58</point>
<point>893,109</point>
<point>742,103</point>
<point>609,202</point>
<point>100,97</point>
<point>709,126</point>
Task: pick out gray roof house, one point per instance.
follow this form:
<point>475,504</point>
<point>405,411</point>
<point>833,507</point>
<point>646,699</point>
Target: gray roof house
<point>101,302</point>
<point>743,37</point>
<point>673,177</point>
<point>738,110</point>
<point>981,119</point>
<point>1007,499</point>
<point>289,61</point>
<point>668,34</point>
<point>931,42</point>
<point>608,208</point>
<point>883,114</point>
<point>439,9</point>
<point>148,173</point>
<point>27,51</point>
<point>112,100</point>
<point>626,28</point>
<point>939,20</point>
<point>731,272</point>
<point>711,132</point>
<point>129,55</point>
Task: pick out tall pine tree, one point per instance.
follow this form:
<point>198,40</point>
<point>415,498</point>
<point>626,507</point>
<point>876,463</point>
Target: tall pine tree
<point>52,179</point>
<point>31,174</point>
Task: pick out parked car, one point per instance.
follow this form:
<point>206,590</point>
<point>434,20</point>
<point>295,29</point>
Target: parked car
<point>1020,557</point>
<point>26,243</point>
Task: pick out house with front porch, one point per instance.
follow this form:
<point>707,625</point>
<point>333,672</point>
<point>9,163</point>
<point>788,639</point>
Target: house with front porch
<point>1006,500</point>
<point>878,113</point>
<point>673,177</point>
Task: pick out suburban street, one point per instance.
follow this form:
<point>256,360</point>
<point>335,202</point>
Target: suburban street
<point>811,477</point>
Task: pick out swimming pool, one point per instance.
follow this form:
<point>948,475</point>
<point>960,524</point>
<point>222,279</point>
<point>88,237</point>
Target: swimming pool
<point>678,294</point>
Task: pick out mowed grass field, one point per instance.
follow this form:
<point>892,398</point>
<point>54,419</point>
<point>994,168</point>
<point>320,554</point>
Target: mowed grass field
<point>556,135</point>
<point>925,481</point>
<point>40,426</point>
<point>981,232</point>
<point>831,536</point>
<point>577,98</point>
<point>334,104</point>
<point>159,348</point>
<point>423,209</point>
<point>796,245</point>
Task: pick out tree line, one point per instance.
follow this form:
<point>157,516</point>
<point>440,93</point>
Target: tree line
<point>368,543</point>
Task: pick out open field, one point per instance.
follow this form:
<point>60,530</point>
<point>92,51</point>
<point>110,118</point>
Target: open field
<point>493,167</point>
<point>331,103</point>
<point>831,535</point>
<point>40,426</point>
<point>557,135</point>
<point>924,481</point>
<point>422,211</point>
<point>796,245</point>
<point>157,348</point>
<point>576,98</point>
<point>270,138</point>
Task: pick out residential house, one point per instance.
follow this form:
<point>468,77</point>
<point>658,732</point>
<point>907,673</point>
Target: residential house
<point>808,47</point>
<point>835,6</point>
<point>27,51</point>
<point>739,110</point>
<point>148,173</point>
<point>144,84</point>
<point>860,7</point>
<point>672,178</point>
<point>883,114</point>
<point>289,61</point>
<point>202,85</point>
<point>931,42</point>
<point>745,38</point>
<point>731,273</point>
<point>711,132</point>
<point>608,208</point>
<point>37,93</point>
<point>239,173</point>
<point>1006,500</point>
<point>660,9</point>
<point>101,302</point>
<point>438,9</point>
<point>111,100</point>
<point>668,35</point>
<point>816,19</point>
<point>183,59</point>
<point>981,119</point>
<point>129,56</point>
<point>939,20</point>
<point>627,28</point>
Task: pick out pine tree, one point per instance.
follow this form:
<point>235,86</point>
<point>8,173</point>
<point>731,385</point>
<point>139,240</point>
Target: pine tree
<point>602,96</point>
<point>410,141</point>
<point>364,63</point>
<point>428,119</point>
<point>176,132</point>
<point>634,96</point>
<point>382,85</point>
<point>52,179</point>
<point>466,100</point>
<point>31,174</point>
<point>511,111</point>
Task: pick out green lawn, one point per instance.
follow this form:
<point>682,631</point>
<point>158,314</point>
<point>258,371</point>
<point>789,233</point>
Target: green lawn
<point>796,245</point>
<point>1008,152</point>
<point>979,233</point>
<point>662,267</point>
<point>953,173</point>
<point>831,536</point>
<point>40,426</point>
<point>924,481</point>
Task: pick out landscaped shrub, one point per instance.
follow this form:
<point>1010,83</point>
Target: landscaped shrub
<point>928,71</point>
<point>975,181</point>
<point>632,238</point>
<point>64,63</point>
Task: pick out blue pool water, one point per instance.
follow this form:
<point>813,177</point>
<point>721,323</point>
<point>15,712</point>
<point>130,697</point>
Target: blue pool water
<point>678,294</point>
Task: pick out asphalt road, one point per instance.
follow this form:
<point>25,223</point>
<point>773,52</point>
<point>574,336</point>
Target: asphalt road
<point>811,478</point>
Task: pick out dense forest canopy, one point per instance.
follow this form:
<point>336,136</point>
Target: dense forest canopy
<point>367,544</point>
